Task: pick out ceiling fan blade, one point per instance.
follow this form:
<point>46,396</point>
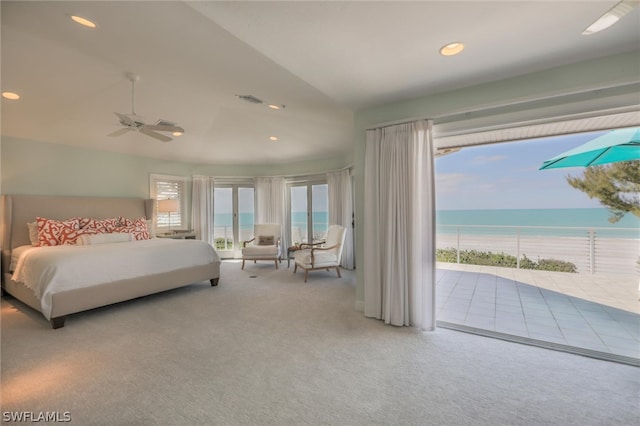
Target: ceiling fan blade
<point>125,120</point>
<point>153,134</point>
<point>164,128</point>
<point>120,132</point>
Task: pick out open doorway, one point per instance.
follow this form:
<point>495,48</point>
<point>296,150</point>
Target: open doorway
<point>524,255</point>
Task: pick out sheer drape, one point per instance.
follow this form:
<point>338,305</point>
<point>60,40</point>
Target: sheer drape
<point>341,210</point>
<point>399,235</point>
<point>270,202</point>
<point>202,208</point>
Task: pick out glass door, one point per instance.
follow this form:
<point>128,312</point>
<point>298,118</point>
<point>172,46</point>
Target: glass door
<point>320,212</point>
<point>309,212</point>
<point>299,215</point>
<point>246,200</point>
<point>233,219</point>
<point>223,218</point>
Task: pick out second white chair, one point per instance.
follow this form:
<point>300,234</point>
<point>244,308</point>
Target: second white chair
<point>327,256</point>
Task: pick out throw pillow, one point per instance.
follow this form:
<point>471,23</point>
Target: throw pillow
<point>33,233</point>
<point>136,227</point>
<point>101,225</point>
<point>54,232</point>
<point>101,238</point>
<point>266,240</point>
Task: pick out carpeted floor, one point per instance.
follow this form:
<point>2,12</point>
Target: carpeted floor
<point>264,348</point>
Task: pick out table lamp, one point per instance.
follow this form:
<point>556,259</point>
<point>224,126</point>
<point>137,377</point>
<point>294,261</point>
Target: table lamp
<point>170,205</point>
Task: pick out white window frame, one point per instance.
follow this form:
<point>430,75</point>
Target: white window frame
<point>181,184</point>
<point>308,182</point>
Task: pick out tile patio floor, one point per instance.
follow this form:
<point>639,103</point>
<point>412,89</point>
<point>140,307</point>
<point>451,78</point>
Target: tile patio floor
<point>588,314</point>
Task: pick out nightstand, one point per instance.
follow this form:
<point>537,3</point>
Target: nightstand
<point>179,236</point>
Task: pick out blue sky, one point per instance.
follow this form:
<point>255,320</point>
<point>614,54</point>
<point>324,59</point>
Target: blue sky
<point>506,176</point>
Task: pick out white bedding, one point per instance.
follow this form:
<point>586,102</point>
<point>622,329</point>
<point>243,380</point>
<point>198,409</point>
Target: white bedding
<point>50,270</point>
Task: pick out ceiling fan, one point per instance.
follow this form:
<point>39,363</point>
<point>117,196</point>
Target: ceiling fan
<point>132,122</point>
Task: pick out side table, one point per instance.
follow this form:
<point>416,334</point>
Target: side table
<point>179,236</point>
<point>291,250</point>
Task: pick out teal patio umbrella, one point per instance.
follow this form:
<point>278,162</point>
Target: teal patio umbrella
<point>617,145</point>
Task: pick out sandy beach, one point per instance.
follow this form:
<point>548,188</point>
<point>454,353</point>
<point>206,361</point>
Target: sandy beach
<point>606,255</point>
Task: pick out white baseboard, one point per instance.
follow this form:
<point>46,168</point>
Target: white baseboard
<point>359,305</point>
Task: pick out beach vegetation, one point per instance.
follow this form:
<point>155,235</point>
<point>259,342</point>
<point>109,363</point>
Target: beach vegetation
<point>220,243</point>
<point>615,185</point>
<point>487,258</point>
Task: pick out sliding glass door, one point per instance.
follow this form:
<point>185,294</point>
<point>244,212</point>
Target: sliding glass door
<point>309,212</point>
<point>233,218</point>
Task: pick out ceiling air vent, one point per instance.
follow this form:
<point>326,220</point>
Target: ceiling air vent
<point>250,98</point>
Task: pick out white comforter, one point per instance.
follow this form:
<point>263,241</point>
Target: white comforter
<point>50,270</point>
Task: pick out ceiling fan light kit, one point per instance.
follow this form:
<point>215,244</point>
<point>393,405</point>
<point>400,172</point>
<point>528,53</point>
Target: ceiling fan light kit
<point>132,122</point>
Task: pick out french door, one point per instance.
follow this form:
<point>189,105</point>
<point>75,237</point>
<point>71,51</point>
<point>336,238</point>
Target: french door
<point>308,212</point>
<point>233,218</point>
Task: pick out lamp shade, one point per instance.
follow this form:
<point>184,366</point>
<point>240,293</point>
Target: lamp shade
<point>168,206</point>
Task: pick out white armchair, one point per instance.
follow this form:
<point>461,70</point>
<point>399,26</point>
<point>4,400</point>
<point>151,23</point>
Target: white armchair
<point>326,256</point>
<point>265,244</point>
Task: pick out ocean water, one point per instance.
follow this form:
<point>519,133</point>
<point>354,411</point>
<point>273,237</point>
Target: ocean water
<point>298,219</point>
<point>560,222</point>
<point>568,219</point>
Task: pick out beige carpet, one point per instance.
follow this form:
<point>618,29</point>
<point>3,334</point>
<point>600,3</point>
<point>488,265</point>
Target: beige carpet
<point>272,350</point>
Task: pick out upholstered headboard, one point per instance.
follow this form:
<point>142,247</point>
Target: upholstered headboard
<point>17,210</point>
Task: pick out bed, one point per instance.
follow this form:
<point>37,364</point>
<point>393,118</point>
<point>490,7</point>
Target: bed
<point>125,271</point>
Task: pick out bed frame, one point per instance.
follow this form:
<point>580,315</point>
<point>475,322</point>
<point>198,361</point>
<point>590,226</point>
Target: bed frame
<point>17,210</point>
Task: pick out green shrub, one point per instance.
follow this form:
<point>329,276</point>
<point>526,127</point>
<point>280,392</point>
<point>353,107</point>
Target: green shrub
<point>556,265</point>
<point>220,244</point>
<point>447,255</point>
<point>487,258</point>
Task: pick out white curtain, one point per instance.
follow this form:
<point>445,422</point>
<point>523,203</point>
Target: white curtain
<point>202,208</point>
<point>341,210</point>
<point>399,225</point>
<point>270,202</point>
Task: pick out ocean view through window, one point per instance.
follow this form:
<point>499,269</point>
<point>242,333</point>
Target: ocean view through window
<point>523,253</point>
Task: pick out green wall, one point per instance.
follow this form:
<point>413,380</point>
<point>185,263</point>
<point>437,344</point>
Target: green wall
<point>37,168</point>
<point>590,76</point>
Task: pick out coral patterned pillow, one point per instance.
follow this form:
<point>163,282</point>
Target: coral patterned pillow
<point>101,225</point>
<point>133,222</point>
<point>137,227</point>
<point>54,232</point>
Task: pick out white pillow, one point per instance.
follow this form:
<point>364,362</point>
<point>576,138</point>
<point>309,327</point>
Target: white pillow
<point>114,237</point>
<point>33,233</point>
<point>151,229</point>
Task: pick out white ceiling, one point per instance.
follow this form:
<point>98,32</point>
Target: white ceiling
<point>323,60</point>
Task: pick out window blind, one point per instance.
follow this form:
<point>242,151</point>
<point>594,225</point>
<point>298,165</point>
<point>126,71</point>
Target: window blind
<point>168,187</point>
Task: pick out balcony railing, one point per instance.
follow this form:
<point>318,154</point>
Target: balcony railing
<point>591,250</point>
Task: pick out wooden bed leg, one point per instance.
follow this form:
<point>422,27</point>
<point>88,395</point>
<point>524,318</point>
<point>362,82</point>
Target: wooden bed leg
<point>276,262</point>
<point>57,322</point>
<point>338,271</point>
<point>214,281</point>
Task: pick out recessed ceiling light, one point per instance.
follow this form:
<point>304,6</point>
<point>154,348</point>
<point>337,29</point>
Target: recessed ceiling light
<point>451,49</point>
<point>83,21</point>
<point>274,106</point>
<point>273,138</point>
<point>10,95</point>
<point>177,133</point>
<point>611,17</point>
